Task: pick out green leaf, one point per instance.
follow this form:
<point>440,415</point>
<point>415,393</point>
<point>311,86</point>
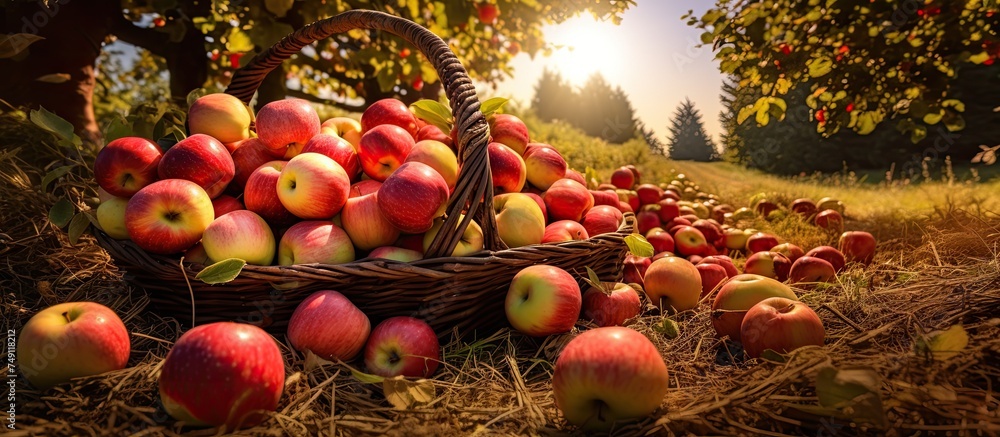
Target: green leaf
<point>78,226</point>
<point>493,106</point>
<point>942,345</point>
<point>366,377</point>
<point>53,175</point>
<point>595,280</point>
<point>222,271</point>
<point>772,356</point>
<point>668,327</point>
<point>819,66</point>
<point>12,45</point>
<point>404,394</point>
<point>434,113</point>
<point>117,128</point>
<point>639,246</point>
<point>61,213</point>
<point>707,37</point>
<point>55,124</point>
<point>196,94</point>
<point>857,388</point>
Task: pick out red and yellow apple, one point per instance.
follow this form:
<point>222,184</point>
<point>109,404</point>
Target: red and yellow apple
<point>310,328</point>
<point>402,346</point>
<point>673,282</point>
<point>168,216</point>
<point>781,325</point>
<point>543,300</point>
<point>126,165</point>
<point>240,234</point>
<point>738,295</point>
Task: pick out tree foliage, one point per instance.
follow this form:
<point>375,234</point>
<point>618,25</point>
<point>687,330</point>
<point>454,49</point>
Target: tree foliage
<point>688,140</point>
<point>597,108</point>
<point>864,62</point>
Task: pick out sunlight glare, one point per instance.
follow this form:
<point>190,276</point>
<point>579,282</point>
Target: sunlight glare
<point>584,46</point>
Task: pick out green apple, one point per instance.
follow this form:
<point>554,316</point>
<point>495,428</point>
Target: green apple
<point>111,217</point>
<point>520,221</point>
<point>472,240</point>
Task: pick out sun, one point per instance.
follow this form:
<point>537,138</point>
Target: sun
<point>584,46</point>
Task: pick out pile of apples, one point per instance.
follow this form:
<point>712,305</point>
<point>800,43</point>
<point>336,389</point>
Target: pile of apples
<point>303,191</point>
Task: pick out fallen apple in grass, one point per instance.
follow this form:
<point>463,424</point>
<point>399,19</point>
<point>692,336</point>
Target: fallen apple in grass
<point>70,340</point>
<point>738,295</point>
<point>402,346</point>
<point>711,276</point>
<point>310,330</point>
<point>781,325</point>
<point>608,375</point>
<point>673,282</point>
<point>724,261</point>
<point>770,264</point>
<point>610,304</point>
<point>543,300</point>
<point>830,220</point>
<point>809,269</point>
<point>240,372</point>
<point>831,255</point>
<point>789,250</point>
<point>858,246</point>
<point>760,242</point>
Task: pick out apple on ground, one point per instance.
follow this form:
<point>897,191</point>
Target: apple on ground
<point>261,194</point>
<point>364,223</point>
<point>389,112</point>
<point>412,197</point>
<point>673,282</point>
<point>789,250</point>
<point>509,131</point>
<point>712,275</point>
<point>543,300</point>
<point>770,264</point>
<point>738,295</point>
<point>310,330</point>
<point>719,212</point>
<point>520,221</point>
<point>760,242</point>
<point>646,220</point>
<point>396,254</point>
<point>225,204</point>
<point>690,241</point>
<point>743,213</point>
<point>830,203</point>
<point>672,195</point>
<point>71,340</point>
<point>288,123</point>
<point>343,127</point>
<point>765,207</point>
<point>809,269</point>
<point>611,304</point>
<point>240,234</point>
<point>608,375</point>
<point>126,165</point>
<point>337,149</point>
<point>724,261</point>
<point>858,246</point>
<point>602,219</point>
<point>669,210</point>
<point>200,159</point>
<point>623,178</point>
<point>472,239</point>
<point>544,165</point>
<point>315,241</point>
<point>661,241</point>
<point>221,116</point>
<point>649,194</point>
<point>830,220</point>
<point>676,224</point>
<point>313,186</point>
<point>564,230</point>
<point>240,372</point>
<point>803,207</point>
<point>168,216</point>
<point>711,230</point>
<point>635,268</point>
<point>781,325</point>
<point>402,346</point>
<point>829,253</point>
<point>439,157</point>
<point>507,169</point>
<point>735,239</point>
<point>111,217</point>
<point>567,199</point>
<point>383,149</point>
<point>635,173</point>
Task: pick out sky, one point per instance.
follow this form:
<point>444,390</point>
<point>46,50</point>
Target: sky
<point>652,55</point>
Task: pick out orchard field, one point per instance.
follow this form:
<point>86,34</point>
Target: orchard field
<point>935,269</point>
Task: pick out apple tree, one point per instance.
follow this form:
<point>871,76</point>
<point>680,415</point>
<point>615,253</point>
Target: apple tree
<point>864,62</point>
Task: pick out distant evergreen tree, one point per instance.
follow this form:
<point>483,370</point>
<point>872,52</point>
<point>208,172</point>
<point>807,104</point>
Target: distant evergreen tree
<point>598,109</point>
<point>655,145</point>
<point>553,95</point>
<point>688,140</point>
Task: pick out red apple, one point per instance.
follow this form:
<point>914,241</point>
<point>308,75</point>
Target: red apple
<point>567,199</point>
<point>810,269</point>
<point>623,178</point>
<point>649,194</point>
<point>313,186</point>
<point>315,242</point>
<point>220,116</point>
<point>126,165</point>
<point>781,325</point>
<point>288,123</point>
<point>789,250</point>
<point>770,264</point>
<point>240,372</point>
<point>602,219</point>
<point>803,207</point>
<point>337,149</point>
<point>431,132</point>
<point>261,194</point>
<point>412,197</point>
<point>564,230</point>
<point>363,221</point>
<point>739,294</point>
<point>543,300</point>
<point>507,169</point>
<point>488,12</point>
<point>831,255</point>
<point>611,305</point>
<point>661,241</point>
<point>544,165</point>
<point>510,131</point>
<point>722,260</point>
<point>168,216</point>
<point>669,210</point>
<point>200,159</point>
<point>858,246</point>
<point>67,341</point>
<point>761,242</point>
<point>223,204</point>
<point>830,220</point>
<point>383,149</point>
<point>403,346</point>
<point>343,127</point>
<point>363,187</point>
<point>673,282</point>
<point>711,231</point>
<point>389,112</point>
<point>247,158</point>
<point>609,198</point>
<point>711,276</point>
<point>690,241</point>
<point>396,254</point>
<point>635,268</point>
<point>439,157</point>
<point>310,329</point>
<point>608,375</point>
<point>240,234</point>
<point>765,207</point>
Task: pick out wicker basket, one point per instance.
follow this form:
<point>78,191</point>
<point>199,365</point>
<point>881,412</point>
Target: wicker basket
<point>463,293</point>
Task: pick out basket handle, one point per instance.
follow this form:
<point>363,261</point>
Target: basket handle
<point>474,190</point>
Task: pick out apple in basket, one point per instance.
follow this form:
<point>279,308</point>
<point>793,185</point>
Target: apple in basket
<point>507,169</point>
<point>313,186</point>
<point>222,374</point>
<point>389,112</point>
<point>383,149</point>
<point>168,216</point>
<point>343,127</point>
<point>287,124</point>
<point>439,157</point>
<point>544,165</point>
<point>520,220</point>
<point>412,197</point>
<point>221,116</point>
<point>509,131</point>
<point>126,165</point>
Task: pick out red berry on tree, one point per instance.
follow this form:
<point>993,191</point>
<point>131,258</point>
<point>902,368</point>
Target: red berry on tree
<point>418,83</point>
<point>850,107</point>
<point>821,116</point>
<point>234,59</point>
<point>405,53</point>
<point>488,13</point>
<point>159,22</point>
<point>786,49</point>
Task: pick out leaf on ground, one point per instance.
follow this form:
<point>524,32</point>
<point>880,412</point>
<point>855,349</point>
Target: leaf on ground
<point>61,213</point>
<point>366,377</point>
<point>855,391</point>
<point>222,271</point>
<point>943,345</point>
<point>53,123</point>
<point>404,394</point>
<point>56,173</point>
<point>78,226</point>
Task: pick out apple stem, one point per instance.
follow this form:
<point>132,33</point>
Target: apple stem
<point>65,315</point>
<point>787,308</point>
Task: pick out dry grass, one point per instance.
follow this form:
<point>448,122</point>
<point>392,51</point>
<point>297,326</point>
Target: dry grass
<point>930,273</point>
